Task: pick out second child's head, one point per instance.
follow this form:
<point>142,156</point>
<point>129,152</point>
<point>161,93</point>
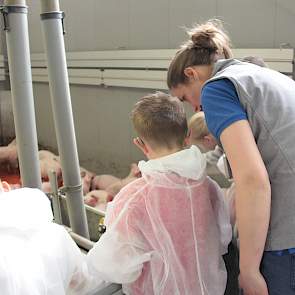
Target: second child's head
<point>160,122</point>
<point>199,134</point>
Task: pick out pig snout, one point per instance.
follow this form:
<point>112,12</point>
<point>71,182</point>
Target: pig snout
<point>96,197</point>
<point>134,171</point>
<point>46,187</point>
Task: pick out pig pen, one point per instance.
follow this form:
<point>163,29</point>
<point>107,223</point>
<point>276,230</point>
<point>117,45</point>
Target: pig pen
<point>104,140</point>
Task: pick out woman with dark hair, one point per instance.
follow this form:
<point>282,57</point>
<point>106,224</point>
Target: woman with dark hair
<point>250,110</point>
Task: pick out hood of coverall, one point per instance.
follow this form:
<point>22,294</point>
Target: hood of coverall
<point>24,209</point>
<point>188,163</point>
<point>36,255</point>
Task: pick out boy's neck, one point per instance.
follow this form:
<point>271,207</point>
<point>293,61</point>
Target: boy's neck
<point>162,153</point>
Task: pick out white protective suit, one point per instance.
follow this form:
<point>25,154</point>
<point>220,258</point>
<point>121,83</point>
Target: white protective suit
<point>166,232</point>
<point>37,257</point>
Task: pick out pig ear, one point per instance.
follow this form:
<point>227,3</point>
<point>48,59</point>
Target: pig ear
<point>6,186</point>
<point>140,144</point>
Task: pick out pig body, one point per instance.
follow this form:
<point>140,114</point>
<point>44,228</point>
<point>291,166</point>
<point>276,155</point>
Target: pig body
<point>101,182</point>
<point>134,173</point>
<point>86,177</point>
<point>46,187</point>
<point>9,159</point>
<point>97,197</point>
<point>49,162</point>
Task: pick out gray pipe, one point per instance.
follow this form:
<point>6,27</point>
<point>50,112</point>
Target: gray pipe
<point>55,197</point>
<point>22,92</point>
<point>62,113</point>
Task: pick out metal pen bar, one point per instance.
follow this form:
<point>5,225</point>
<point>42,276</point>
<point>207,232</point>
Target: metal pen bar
<point>52,27</point>
<point>55,197</point>
<point>15,12</point>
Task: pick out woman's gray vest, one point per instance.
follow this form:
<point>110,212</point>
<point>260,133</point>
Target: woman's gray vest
<point>268,98</point>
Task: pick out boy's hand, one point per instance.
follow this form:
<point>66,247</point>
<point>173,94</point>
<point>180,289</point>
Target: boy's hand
<point>252,283</point>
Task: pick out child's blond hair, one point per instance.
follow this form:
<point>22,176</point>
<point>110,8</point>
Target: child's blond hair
<point>198,128</point>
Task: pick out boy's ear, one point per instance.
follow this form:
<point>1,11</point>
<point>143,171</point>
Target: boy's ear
<point>140,144</point>
<point>187,141</point>
<point>209,141</point>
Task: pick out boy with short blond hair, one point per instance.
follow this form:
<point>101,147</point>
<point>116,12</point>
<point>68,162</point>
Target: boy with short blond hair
<point>167,231</point>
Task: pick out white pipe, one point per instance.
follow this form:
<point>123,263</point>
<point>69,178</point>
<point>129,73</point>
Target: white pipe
<point>22,93</point>
<point>63,117</point>
<point>15,2</point>
<point>49,6</point>
<point>80,241</point>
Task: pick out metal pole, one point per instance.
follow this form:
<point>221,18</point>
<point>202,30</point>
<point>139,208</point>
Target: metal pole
<point>55,197</point>
<point>52,27</point>
<point>80,241</point>
<point>16,26</point>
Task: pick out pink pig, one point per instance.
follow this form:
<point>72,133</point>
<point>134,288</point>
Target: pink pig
<point>96,197</point>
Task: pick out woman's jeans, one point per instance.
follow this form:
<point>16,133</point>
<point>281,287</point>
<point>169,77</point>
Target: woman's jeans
<point>279,273</point>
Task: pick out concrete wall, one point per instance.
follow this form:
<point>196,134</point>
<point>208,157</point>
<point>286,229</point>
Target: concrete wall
<point>103,128</point>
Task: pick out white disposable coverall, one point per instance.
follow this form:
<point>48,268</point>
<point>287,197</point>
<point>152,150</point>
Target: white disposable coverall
<point>166,232</point>
<point>37,257</point>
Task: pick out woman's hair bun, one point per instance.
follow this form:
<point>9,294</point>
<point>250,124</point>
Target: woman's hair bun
<point>210,36</point>
<point>204,40</point>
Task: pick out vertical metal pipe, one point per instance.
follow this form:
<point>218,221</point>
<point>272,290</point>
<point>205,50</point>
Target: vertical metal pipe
<point>62,111</point>
<point>55,197</point>
<point>22,91</point>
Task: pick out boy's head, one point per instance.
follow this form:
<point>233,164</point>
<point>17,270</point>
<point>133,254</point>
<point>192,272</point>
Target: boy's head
<point>160,122</point>
<point>199,134</point>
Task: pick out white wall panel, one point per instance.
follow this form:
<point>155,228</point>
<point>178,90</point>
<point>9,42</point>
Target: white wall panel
<point>139,24</point>
<point>35,33</point>
<point>148,24</point>
<point>285,23</point>
<point>251,23</point>
<point>186,13</point>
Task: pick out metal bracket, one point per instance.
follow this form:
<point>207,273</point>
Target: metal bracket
<point>70,189</point>
<point>5,10</point>
<point>62,23</point>
<point>55,15</point>
<point>101,227</point>
<point>55,197</point>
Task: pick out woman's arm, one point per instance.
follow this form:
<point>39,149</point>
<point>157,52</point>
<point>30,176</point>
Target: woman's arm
<point>253,199</point>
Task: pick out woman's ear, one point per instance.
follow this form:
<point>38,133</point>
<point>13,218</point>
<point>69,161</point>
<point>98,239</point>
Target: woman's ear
<point>191,73</point>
